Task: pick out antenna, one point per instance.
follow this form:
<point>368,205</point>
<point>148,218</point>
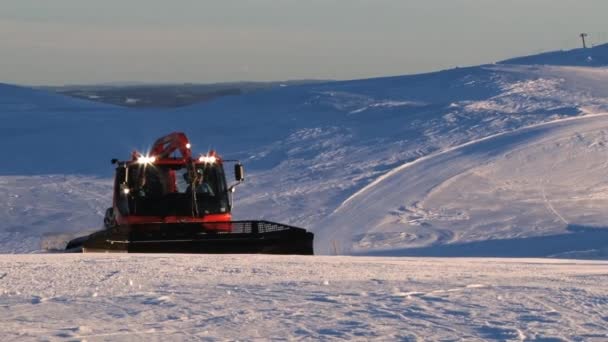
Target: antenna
<point>583,36</point>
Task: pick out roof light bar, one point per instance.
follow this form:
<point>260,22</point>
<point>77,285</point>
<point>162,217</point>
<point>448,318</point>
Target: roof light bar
<point>146,160</point>
<point>207,159</point>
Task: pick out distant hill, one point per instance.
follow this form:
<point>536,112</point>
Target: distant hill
<point>596,56</point>
<point>165,95</point>
<point>13,97</point>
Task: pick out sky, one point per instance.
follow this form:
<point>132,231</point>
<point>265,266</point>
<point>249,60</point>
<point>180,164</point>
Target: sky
<point>44,42</point>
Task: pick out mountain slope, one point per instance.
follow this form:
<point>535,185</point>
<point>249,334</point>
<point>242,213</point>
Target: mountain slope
<point>17,98</point>
<point>536,181</point>
<point>590,57</point>
<point>308,148</point>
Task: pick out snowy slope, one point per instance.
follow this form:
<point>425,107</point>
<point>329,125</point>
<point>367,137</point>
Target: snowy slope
<point>591,57</point>
<point>543,180</point>
<point>16,98</point>
<point>497,160</point>
<point>309,148</point>
<point>173,297</point>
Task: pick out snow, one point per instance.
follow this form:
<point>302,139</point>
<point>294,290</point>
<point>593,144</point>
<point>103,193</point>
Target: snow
<point>503,160</point>
<point>462,193</point>
<point>181,297</point>
<point>23,99</point>
<point>38,207</point>
<point>485,168</point>
<point>594,57</point>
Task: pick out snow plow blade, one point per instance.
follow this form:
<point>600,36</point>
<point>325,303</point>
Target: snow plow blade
<point>237,237</point>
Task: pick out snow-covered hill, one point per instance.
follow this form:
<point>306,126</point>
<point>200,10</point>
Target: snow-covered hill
<point>535,191</point>
<point>596,56</point>
<point>331,157</point>
<point>22,99</point>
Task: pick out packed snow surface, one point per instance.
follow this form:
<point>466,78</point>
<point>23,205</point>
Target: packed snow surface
<point>185,297</point>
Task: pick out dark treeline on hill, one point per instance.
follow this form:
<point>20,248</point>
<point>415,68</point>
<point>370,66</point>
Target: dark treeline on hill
<point>164,95</point>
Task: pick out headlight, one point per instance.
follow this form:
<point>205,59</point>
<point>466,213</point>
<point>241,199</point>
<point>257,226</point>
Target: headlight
<point>146,160</point>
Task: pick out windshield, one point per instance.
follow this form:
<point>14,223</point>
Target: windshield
<point>168,190</point>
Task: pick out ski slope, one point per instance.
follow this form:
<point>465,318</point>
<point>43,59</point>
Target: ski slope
<point>461,193</point>
<point>175,297</point>
<point>309,148</point>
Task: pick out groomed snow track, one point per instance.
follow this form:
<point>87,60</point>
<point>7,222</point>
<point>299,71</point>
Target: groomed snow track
<point>380,207</point>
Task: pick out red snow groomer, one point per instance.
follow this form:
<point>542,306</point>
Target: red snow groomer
<point>169,202</point>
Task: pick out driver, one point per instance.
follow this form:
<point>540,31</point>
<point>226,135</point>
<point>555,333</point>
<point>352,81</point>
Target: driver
<point>200,184</point>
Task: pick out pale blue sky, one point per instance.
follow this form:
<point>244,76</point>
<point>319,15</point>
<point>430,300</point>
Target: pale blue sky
<point>83,41</point>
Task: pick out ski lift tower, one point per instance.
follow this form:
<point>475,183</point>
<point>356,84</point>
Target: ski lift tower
<point>583,36</point>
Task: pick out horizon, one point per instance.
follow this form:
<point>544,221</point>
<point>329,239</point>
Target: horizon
<point>205,42</point>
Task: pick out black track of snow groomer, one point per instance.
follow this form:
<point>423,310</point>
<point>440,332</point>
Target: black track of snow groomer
<point>245,237</point>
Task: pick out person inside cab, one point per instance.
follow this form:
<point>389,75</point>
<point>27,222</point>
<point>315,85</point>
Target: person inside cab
<point>200,184</point>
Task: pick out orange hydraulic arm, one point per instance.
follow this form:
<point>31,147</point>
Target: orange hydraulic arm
<point>165,146</point>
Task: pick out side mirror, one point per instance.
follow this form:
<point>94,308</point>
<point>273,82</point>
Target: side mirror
<point>239,172</point>
<point>114,161</point>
